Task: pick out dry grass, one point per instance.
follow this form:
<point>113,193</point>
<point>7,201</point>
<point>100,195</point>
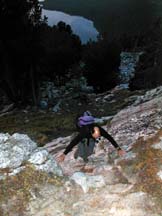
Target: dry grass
<point>15,191</point>
<point>41,127</point>
<point>146,166</point>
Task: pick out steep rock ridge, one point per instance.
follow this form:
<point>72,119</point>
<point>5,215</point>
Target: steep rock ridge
<point>127,126</point>
<point>115,194</point>
<point>107,184</point>
<point>142,119</point>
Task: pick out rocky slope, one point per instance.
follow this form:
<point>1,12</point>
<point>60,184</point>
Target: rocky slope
<point>107,184</point>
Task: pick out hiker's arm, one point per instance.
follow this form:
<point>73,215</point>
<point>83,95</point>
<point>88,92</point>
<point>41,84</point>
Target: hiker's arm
<point>109,137</point>
<point>121,152</point>
<point>74,142</point>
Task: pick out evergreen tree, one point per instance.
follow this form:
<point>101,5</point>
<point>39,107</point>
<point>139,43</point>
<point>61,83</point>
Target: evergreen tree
<point>63,50</point>
<point>148,72</point>
<point>20,21</point>
<point>102,60</point>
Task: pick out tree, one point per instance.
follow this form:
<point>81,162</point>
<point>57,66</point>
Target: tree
<point>148,72</point>
<point>20,21</point>
<point>63,50</point>
<point>102,60</point>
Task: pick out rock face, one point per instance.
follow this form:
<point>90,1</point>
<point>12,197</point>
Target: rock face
<point>113,200</point>
<point>86,181</point>
<point>17,149</point>
<point>139,120</point>
<point>101,186</point>
<point>127,66</point>
<point>52,95</point>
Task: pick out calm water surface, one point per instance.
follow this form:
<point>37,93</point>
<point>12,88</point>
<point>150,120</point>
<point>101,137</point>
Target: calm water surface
<point>81,26</point>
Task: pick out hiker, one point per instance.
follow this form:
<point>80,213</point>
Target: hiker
<point>89,130</point>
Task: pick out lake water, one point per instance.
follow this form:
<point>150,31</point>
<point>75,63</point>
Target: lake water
<point>81,26</point>
<point>111,17</point>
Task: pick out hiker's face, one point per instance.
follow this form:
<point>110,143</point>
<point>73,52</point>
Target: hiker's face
<point>96,133</point>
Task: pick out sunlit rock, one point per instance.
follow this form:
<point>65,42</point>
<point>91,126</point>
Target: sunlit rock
<point>87,182</point>
<point>4,137</point>
<point>39,156</point>
<point>17,149</point>
<point>158,145</point>
<point>160,174</point>
<point>50,166</point>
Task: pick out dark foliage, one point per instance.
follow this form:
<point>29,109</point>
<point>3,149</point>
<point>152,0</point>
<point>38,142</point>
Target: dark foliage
<point>62,51</point>
<point>149,70</point>
<point>31,52</point>
<point>20,49</point>
<point>102,60</point>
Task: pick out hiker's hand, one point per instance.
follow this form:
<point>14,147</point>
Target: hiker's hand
<point>121,152</point>
<point>61,157</point>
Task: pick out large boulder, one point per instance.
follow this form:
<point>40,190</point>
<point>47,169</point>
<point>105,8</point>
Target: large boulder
<point>138,120</point>
<point>18,149</point>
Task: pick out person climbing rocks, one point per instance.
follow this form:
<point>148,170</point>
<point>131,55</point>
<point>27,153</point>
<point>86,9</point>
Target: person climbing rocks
<point>88,131</point>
